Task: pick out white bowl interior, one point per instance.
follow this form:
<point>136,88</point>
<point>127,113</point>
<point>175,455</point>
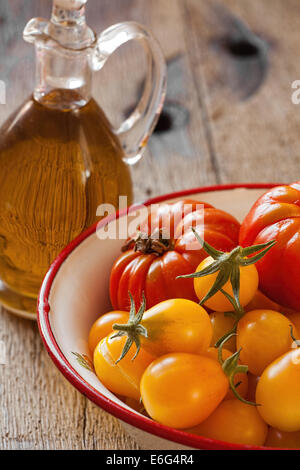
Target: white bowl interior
<point>79,293</point>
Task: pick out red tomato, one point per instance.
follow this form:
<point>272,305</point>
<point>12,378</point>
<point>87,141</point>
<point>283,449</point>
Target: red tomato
<point>153,269</point>
<point>276,216</point>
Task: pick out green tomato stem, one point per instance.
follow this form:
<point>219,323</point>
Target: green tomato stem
<point>231,367</point>
<point>228,266</point>
<point>133,329</point>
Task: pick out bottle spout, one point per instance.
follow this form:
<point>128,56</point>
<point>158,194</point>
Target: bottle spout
<point>69,13</point>
<point>70,4</point>
<point>67,26</point>
<point>64,46</point>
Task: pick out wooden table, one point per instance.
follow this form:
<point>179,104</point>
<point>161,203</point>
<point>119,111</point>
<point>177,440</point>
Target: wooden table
<point>228,118</point>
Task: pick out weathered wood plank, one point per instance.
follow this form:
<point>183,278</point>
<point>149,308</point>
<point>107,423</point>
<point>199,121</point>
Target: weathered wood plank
<point>182,149</point>
<point>252,121</point>
<point>228,118</point>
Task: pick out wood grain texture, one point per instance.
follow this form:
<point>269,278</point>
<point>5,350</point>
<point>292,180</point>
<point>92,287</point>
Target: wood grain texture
<point>230,119</point>
<point>254,139</point>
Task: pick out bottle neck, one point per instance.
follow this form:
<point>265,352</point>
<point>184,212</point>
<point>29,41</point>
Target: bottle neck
<point>64,75</point>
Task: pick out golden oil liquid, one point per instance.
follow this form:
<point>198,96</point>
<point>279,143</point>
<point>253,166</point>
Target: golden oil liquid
<point>56,168</point>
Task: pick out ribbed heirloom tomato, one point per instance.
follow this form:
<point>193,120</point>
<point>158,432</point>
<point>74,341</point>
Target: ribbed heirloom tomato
<point>276,216</point>
<point>153,260</point>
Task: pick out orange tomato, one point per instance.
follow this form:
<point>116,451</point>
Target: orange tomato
<point>278,392</point>
<point>252,385</point>
<point>284,440</point>
<point>235,422</point>
<point>124,377</point>
<point>263,335</point>
<point>103,326</point>
<point>222,324</point>
<point>181,390</point>
<point>218,302</point>
<point>261,301</point>
<point>135,405</point>
<point>240,378</point>
<point>294,318</point>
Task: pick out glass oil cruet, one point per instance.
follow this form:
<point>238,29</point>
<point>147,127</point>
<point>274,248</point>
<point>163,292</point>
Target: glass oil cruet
<point>60,158</point>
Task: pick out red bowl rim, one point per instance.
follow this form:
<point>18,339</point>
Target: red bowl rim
<point>141,422</point>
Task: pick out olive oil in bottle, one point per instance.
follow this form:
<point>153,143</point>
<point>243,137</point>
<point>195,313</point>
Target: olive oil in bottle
<point>56,168</point>
<point>59,156</point>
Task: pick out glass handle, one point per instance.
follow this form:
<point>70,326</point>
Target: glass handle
<point>134,133</point>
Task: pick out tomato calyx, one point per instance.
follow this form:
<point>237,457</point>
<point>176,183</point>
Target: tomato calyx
<point>156,243</point>
<point>133,329</point>
<point>228,265</point>
<point>231,367</point>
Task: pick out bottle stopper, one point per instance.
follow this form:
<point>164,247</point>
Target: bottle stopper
<point>70,4</point>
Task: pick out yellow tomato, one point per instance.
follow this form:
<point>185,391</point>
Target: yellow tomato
<point>181,390</point>
<point>218,302</point>
<point>174,325</point>
<point>124,377</point>
<point>222,324</point>
<point>103,326</point>
<point>284,440</point>
<point>235,422</point>
<point>263,335</point>
<point>241,379</point>
<point>278,392</point>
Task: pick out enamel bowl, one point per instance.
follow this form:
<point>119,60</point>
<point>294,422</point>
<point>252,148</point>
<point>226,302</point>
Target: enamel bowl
<point>75,292</point>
